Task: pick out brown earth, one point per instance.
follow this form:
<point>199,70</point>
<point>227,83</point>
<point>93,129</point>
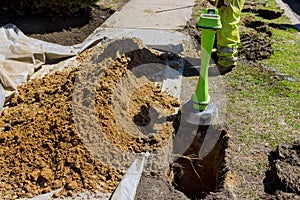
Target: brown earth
<point>154,187</point>
<point>42,149</point>
<point>284,173</point>
<point>65,158</point>
<point>65,31</point>
<point>53,154</point>
<point>197,176</point>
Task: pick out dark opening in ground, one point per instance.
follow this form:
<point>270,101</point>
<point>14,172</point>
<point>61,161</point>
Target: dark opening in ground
<point>197,174</point>
<point>253,23</point>
<point>264,13</point>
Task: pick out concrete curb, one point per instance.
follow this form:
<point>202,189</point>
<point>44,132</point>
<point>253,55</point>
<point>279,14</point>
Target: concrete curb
<point>290,14</point>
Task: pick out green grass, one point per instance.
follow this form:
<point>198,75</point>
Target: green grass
<point>267,107</point>
<point>263,102</point>
<point>271,96</point>
<point>286,57</point>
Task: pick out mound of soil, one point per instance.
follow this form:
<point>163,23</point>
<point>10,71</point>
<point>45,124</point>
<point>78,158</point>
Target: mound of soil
<point>284,173</point>
<point>43,146</point>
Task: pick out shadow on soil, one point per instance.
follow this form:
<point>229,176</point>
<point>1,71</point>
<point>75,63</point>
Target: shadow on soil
<point>284,172</point>
<point>264,13</point>
<point>268,14</point>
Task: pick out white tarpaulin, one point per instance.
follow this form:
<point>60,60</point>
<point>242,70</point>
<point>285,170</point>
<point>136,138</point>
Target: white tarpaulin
<point>22,56</point>
<point>127,188</point>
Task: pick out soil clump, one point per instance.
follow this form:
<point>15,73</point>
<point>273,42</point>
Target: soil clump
<point>284,173</point>
<point>154,187</point>
<point>254,47</point>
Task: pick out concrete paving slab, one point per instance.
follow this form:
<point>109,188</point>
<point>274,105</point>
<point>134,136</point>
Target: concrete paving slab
<point>141,14</point>
<point>167,40</point>
<point>160,2</point>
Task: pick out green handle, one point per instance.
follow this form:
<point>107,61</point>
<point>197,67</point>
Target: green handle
<point>201,97</point>
<point>209,22</point>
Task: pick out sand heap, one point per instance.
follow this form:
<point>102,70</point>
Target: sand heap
<point>44,147</point>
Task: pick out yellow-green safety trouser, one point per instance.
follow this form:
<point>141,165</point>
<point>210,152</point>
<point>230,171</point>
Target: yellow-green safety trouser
<point>228,37</point>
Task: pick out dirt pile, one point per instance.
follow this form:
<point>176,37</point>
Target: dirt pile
<point>153,188</point>
<point>284,173</point>
<point>40,148</point>
<point>43,146</point>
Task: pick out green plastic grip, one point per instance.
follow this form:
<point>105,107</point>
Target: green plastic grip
<point>209,22</point>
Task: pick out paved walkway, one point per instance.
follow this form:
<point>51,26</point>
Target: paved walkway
<point>155,22</point>
<point>152,14</point>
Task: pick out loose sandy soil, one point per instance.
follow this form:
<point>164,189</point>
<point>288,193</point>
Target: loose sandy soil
<point>44,148</point>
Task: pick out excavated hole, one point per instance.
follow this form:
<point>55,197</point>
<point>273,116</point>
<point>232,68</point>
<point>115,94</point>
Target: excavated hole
<point>266,14</point>
<point>195,176</point>
<point>253,23</point>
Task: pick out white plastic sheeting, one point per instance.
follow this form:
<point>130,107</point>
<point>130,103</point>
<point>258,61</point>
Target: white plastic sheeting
<point>127,188</point>
<point>2,97</point>
<point>22,56</point>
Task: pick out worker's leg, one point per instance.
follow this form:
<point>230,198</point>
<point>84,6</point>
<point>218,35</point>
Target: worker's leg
<point>228,37</point>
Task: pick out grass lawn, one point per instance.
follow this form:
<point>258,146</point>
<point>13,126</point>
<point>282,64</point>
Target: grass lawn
<point>264,104</point>
<point>263,97</point>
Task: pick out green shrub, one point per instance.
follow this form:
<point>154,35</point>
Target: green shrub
<point>46,7</point>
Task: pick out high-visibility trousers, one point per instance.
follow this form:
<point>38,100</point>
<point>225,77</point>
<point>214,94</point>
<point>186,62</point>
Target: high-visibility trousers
<point>228,37</point>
